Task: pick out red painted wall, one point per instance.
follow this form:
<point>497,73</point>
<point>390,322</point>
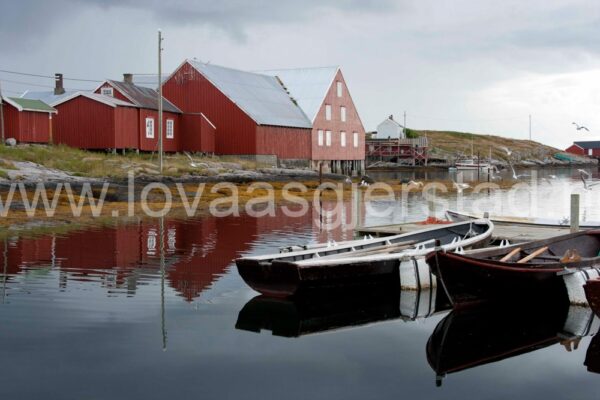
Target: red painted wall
<point>170,145</point>
<point>192,93</point>
<point>197,135</point>
<point>26,126</point>
<point>85,123</point>
<point>126,128</point>
<point>290,143</point>
<point>573,149</point>
<point>352,124</point>
<point>116,93</point>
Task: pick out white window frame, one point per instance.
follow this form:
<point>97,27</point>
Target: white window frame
<point>343,113</point>
<point>328,138</point>
<point>320,137</point>
<point>590,152</point>
<point>107,91</point>
<point>328,112</point>
<point>170,131</point>
<point>343,138</point>
<point>149,128</point>
<point>339,89</point>
<point>355,139</point>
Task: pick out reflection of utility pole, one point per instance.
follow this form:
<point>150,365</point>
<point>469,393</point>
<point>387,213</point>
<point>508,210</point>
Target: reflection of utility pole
<point>5,268</point>
<point>161,249</point>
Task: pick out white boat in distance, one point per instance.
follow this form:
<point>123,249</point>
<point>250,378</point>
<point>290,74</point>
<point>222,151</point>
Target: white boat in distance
<point>472,164</point>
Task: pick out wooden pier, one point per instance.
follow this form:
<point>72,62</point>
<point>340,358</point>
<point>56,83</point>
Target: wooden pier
<point>512,233</point>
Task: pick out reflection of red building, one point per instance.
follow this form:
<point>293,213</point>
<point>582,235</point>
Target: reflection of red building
<point>196,252</point>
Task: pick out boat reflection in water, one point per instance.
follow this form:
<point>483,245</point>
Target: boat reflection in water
<point>321,312</point>
<point>468,338</point>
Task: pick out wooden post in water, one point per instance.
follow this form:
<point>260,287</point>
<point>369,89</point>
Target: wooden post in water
<point>574,212</point>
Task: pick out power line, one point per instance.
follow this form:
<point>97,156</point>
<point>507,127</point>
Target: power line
<point>49,76</point>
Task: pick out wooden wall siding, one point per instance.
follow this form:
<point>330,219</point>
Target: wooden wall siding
<point>192,93</point>
<point>197,135</point>
<point>34,127</point>
<point>573,149</point>
<point>11,122</point>
<point>169,145</point>
<point>85,123</point>
<point>126,128</point>
<point>352,124</point>
<point>286,143</point>
<point>116,93</point>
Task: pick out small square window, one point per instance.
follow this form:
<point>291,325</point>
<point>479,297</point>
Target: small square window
<point>328,112</point>
<point>343,113</point>
<point>328,138</point>
<point>107,91</point>
<point>340,89</point>
<point>170,129</point>
<point>343,139</point>
<point>320,137</point>
<point>150,128</point>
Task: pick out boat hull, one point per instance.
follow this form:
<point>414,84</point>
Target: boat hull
<point>468,281</point>
<point>592,293</point>
<point>283,279</point>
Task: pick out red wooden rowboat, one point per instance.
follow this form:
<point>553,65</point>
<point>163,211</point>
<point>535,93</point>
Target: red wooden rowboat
<point>592,293</point>
<point>532,268</point>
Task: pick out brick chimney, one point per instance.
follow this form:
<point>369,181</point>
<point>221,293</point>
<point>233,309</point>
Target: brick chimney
<point>58,84</point>
<point>128,78</point>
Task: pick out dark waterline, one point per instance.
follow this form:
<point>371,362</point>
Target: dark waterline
<point>104,313</point>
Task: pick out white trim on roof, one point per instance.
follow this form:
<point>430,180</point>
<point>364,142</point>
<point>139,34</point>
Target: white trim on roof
<point>100,98</point>
<point>208,120</point>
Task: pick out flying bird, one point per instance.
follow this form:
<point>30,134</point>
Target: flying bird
<point>580,127</point>
<point>506,150</point>
<point>584,178</point>
<point>461,186</point>
<point>514,173</point>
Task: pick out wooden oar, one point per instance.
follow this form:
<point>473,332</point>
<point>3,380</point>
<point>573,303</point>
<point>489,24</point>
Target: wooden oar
<point>510,255</point>
<point>533,255</point>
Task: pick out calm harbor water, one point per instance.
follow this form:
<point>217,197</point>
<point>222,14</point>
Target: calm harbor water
<point>156,309</point>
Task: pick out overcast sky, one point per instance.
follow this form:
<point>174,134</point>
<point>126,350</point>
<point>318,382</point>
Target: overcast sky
<point>468,65</point>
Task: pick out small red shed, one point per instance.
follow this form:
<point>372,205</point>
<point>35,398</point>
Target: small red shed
<point>585,148</point>
<point>146,101</point>
<point>26,120</point>
<point>92,121</point>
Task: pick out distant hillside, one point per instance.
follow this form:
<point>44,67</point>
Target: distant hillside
<point>449,145</point>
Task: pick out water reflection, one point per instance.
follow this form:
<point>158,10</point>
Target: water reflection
<point>324,312</point>
<point>471,338</point>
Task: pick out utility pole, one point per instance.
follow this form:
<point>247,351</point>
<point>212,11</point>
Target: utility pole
<point>160,102</point>
<point>1,115</point>
<point>529,127</point>
<point>404,123</point>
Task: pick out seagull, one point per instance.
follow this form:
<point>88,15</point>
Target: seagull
<point>580,127</point>
<point>192,163</point>
<point>461,186</point>
<point>417,184</point>
<point>587,186</point>
<point>514,175</point>
<point>507,150</point>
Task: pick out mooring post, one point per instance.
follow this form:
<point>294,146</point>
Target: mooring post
<point>574,212</point>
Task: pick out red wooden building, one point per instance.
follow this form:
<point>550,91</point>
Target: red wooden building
<point>588,148</point>
<point>252,113</point>
<point>27,120</point>
<point>338,135</point>
<point>92,121</point>
<point>146,102</point>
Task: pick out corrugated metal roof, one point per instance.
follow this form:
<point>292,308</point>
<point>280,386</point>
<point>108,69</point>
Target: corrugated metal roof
<point>307,86</point>
<point>108,100</point>
<point>260,96</point>
<point>47,96</point>
<point>142,96</point>
<point>592,144</point>
<point>29,104</point>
